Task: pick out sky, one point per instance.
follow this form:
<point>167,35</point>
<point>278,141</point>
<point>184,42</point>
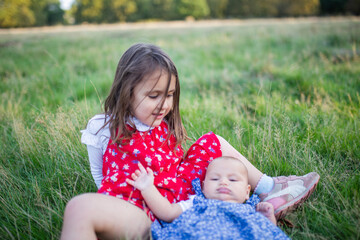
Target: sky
<point>66,4</point>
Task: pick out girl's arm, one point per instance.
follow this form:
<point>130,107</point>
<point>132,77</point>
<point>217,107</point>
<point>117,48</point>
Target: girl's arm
<point>143,179</point>
<point>96,139</point>
<point>95,159</point>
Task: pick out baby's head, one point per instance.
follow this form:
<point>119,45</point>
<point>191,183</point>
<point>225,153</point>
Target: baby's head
<point>226,179</point>
<point>146,86</point>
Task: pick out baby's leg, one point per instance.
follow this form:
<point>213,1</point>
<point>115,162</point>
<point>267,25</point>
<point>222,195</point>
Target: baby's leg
<point>93,215</point>
<point>267,209</point>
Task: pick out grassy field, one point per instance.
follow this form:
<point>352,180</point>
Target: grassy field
<point>284,93</point>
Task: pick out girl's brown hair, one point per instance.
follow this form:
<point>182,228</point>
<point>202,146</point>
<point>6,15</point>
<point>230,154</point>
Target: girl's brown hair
<point>138,62</point>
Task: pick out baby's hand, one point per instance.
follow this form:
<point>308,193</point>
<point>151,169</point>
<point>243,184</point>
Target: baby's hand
<point>265,209</point>
<point>142,178</point>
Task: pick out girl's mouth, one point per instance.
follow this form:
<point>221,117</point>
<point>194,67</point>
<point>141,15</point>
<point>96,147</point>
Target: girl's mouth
<point>159,115</point>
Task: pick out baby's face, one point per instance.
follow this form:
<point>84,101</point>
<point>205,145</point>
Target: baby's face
<point>226,180</point>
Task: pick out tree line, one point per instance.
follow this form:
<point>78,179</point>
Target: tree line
<point>25,13</point>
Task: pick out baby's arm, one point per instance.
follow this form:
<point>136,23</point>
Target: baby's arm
<point>267,209</point>
<point>143,179</point>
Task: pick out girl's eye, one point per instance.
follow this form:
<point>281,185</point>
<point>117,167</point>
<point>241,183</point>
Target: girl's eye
<point>153,96</point>
<point>170,95</point>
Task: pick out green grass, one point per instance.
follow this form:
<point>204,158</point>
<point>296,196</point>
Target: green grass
<point>285,94</point>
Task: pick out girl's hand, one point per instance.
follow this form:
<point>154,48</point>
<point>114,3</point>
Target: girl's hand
<point>142,178</point>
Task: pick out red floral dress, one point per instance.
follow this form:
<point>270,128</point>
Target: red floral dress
<point>173,172</point>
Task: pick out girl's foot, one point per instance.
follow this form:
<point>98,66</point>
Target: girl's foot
<point>289,192</point>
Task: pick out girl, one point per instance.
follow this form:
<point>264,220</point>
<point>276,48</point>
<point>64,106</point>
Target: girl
<point>142,124</point>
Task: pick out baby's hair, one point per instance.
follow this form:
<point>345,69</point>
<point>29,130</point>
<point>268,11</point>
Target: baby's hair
<point>231,159</point>
<point>138,62</point>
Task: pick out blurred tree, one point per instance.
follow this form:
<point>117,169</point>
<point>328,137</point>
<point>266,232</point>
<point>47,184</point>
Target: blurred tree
<point>123,8</point>
<point>16,13</point>
<point>353,7</point>
<point>108,13</point>
<point>165,9</point>
<point>252,8</point>
<point>47,12</point>
<point>265,8</point>
<point>155,9</point>
<point>234,8</point>
<point>217,8</point>
<point>55,14</point>
<point>332,6</point>
<point>272,8</point>
<point>144,10</point>
<point>89,11</point>
<point>195,8</point>
<point>25,13</point>
<point>297,8</point>
<point>100,11</point>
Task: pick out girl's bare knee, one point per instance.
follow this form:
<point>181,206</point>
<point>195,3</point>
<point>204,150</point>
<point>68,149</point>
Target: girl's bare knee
<point>220,138</point>
<point>77,207</point>
<point>78,219</point>
<point>106,216</point>
<point>223,142</point>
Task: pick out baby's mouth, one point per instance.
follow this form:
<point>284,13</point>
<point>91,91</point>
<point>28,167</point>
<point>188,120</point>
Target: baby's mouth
<point>223,190</point>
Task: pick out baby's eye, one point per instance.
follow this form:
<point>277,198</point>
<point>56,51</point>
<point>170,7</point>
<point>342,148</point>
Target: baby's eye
<point>214,179</point>
<point>233,180</point>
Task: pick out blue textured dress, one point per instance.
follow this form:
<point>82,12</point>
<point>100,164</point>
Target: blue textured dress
<point>215,219</point>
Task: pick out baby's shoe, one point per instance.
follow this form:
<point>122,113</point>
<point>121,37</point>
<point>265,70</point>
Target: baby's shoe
<point>289,192</point>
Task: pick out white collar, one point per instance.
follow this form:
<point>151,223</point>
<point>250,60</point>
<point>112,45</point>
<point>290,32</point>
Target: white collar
<point>141,127</point>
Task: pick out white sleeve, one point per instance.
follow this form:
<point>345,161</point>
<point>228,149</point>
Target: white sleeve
<point>96,138</point>
<point>96,162</point>
<point>186,204</point>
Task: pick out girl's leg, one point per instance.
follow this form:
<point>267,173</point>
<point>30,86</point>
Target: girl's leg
<point>93,215</point>
<point>228,150</point>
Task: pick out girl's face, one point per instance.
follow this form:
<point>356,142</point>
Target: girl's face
<point>149,94</point>
<point>226,180</point>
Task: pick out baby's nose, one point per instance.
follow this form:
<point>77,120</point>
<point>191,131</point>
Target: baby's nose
<point>224,181</point>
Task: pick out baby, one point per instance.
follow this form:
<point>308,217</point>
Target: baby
<point>216,209</point>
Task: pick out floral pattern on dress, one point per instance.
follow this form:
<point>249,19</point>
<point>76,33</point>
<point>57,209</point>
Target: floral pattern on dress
<point>215,219</point>
<point>173,172</point>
